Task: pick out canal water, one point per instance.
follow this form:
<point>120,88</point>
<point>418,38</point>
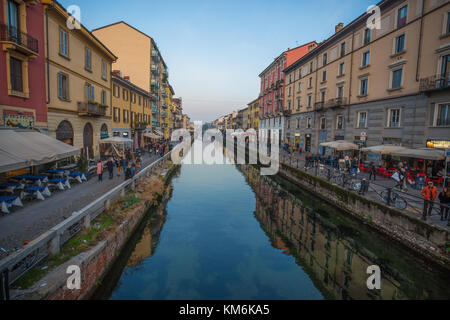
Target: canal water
<point>229,233</point>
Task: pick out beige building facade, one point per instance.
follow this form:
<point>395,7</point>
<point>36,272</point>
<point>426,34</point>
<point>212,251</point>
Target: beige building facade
<point>78,82</point>
<point>388,84</point>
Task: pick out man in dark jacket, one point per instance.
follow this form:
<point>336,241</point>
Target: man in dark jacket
<point>444,199</point>
<point>128,173</point>
<point>110,166</point>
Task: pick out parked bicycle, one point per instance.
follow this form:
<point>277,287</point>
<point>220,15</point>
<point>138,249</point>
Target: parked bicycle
<point>392,198</point>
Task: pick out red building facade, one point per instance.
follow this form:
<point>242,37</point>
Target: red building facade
<point>22,65</point>
<point>273,113</point>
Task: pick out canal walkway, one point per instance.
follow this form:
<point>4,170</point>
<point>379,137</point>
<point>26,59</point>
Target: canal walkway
<point>35,218</point>
<point>413,197</point>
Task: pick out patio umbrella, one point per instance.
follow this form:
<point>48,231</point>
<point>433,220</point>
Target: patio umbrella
<point>423,153</point>
<point>340,145</point>
<point>384,149</point>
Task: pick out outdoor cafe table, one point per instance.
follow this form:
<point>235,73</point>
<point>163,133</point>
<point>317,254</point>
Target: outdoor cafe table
<point>38,192</point>
<point>9,201</point>
<point>79,176</point>
<point>10,187</point>
<point>60,183</point>
<point>37,179</point>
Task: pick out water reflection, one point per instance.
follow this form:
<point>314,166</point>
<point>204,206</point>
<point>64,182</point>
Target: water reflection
<point>335,250</point>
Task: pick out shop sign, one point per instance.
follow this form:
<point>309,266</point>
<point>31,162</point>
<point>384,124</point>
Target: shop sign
<point>438,144</point>
<point>19,121</point>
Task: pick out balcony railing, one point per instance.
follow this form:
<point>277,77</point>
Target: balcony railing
<point>91,109</point>
<point>337,102</point>
<point>140,125</point>
<point>22,39</point>
<point>436,82</point>
<point>319,106</point>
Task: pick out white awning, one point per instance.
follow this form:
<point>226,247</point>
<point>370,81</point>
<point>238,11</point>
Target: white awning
<point>340,145</point>
<point>424,153</point>
<point>384,149</point>
<point>151,136</point>
<point>116,140</point>
<point>24,148</point>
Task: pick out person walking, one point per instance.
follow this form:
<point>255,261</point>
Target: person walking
<point>117,162</point>
<point>133,169</point>
<point>429,194</point>
<point>372,172</point>
<point>100,170</point>
<point>444,199</point>
<point>110,166</point>
<point>128,173</point>
<point>355,165</point>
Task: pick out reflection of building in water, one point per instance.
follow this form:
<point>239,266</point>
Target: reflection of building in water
<point>326,250</point>
<point>149,239</point>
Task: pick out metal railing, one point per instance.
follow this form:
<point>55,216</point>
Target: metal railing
<point>436,82</point>
<point>90,108</point>
<point>19,263</point>
<point>12,34</point>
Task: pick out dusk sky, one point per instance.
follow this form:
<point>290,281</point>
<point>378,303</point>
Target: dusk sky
<point>215,50</point>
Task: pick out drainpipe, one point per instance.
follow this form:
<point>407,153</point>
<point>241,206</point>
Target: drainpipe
<point>419,53</point>
<point>350,84</point>
<point>47,58</point>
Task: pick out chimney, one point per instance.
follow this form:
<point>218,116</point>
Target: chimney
<point>339,27</point>
<point>126,78</point>
<point>116,73</point>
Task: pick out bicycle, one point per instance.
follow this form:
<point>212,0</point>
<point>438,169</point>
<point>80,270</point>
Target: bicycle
<point>395,199</point>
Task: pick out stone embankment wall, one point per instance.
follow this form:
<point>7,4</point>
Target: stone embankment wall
<point>96,262</point>
<point>429,241</point>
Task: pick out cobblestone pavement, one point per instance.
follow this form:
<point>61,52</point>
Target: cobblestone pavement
<point>413,197</point>
<point>36,217</point>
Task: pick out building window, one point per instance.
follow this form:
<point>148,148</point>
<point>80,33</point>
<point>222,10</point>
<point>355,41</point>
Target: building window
<point>63,42</point>
<point>308,123</point>
<point>88,59</point>
<point>311,67</point>
<point>15,73</point>
<point>289,104</point>
<point>133,97</point>
<point>397,76</point>
<point>341,68</point>
<point>443,115</point>
<point>340,122</point>
<point>104,97</point>
<point>13,17</point>
<point>125,116</point>
<point>299,87</point>
<point>104,69</point>
<point>362,119</point>
<point>367,36</point>
<point>324,59</point>
<point>364,87</point>
<point>322,95</point>
<point>116,114</point>
<point>309,100</point>
<point>393,120</point>
<point>402,14</point>
<point>116,91</point>
<point>366,59</point>
<point>324,76</point>
<point>447,29</point>
<point>125,94</point>
<point>298,103</point>
<point>289,92</point>
<point>140,100</point>
<point>89,92</point>
<point>340,91</point>
<point>323,123</point>
<point>342,49</point>
<point>298,124</point>
<point>63,86</point>
<point>310,82</point>
<point>400,44</point>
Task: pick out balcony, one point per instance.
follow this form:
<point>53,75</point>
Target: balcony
<point>155,69</point>
<point>164,115</point>
<point>337,103</point>
<point>20,41</point>
<point>91,108</point>
<point>154,109</point>
<point>165,106</point>
<point>433,83</point>
<point>319,106</point>
<point>139,125</point>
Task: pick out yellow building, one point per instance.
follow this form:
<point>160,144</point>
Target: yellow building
<point>167,112</point>
<point>78,83</point>
<point>131,109</point>
<point>381,83</point>
<point>253,115</point>
<point>140,59</point>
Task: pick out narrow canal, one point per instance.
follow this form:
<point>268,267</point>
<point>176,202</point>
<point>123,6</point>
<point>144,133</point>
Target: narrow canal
<point>228,233</point>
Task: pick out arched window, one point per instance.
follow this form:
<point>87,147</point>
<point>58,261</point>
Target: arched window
<point>64,132</point>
